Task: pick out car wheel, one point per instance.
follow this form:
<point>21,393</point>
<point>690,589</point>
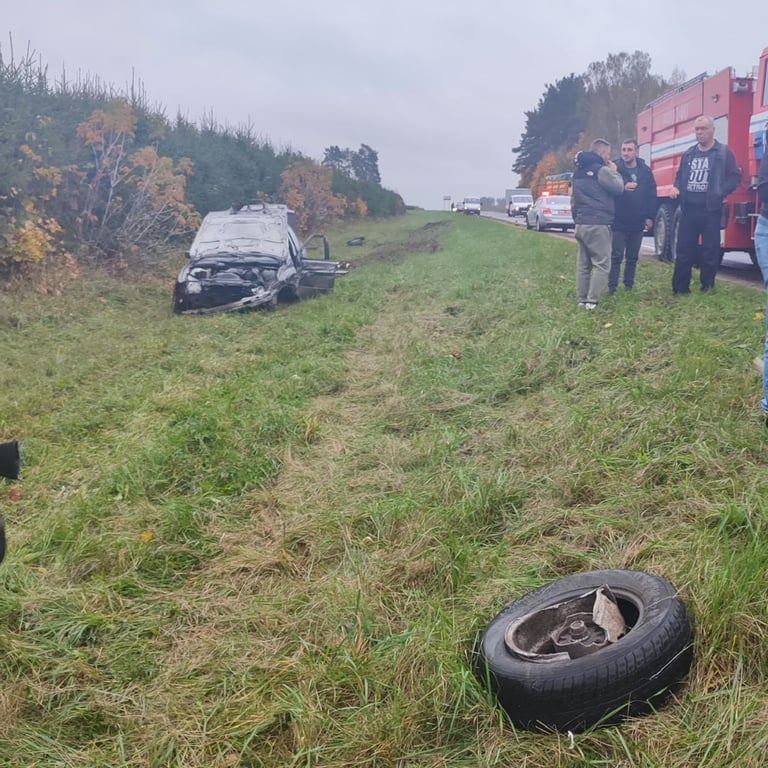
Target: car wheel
<point>549,667</point>
<point>539,228</point>
<point>528,223</point>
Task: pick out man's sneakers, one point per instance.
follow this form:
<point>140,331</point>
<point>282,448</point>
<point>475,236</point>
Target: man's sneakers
<point>590,305</point>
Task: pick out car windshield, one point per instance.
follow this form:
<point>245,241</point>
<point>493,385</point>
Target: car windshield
<point>561,200</point>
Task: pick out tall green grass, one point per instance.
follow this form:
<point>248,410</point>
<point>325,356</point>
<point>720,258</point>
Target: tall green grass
<point>269,539</point>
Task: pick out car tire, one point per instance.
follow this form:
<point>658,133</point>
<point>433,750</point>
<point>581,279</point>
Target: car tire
<point>627,677</point>
<point>528,223</point>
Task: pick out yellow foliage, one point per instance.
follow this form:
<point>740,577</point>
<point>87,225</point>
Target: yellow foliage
<point>306,188</point>
<point>547,167</point>
<point>32,241</point>
<point>104,128</point>
<point>30,154</point>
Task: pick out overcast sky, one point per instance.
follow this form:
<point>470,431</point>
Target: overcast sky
<point>439,88</point>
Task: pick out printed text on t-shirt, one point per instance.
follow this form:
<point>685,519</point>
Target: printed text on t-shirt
<point>698,179</point>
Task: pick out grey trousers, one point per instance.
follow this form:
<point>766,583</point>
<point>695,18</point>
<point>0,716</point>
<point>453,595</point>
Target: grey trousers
<point>593,262</point>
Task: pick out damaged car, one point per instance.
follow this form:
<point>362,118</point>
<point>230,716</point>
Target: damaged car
<point>250,257</point>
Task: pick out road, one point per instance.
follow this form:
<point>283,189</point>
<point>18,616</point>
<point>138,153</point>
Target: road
<point>736,267</point>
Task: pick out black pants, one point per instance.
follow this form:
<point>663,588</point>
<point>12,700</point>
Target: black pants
<point>625,245</point>
<point>694,223</point>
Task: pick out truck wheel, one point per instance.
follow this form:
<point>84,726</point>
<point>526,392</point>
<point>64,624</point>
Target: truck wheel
<point>520,656</point>
<point>662,231</point>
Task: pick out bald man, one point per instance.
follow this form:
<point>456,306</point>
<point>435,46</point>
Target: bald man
<point>706,176</point>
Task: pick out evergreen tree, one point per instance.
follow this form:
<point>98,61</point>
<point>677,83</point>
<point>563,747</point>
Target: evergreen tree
<point>557,121</point>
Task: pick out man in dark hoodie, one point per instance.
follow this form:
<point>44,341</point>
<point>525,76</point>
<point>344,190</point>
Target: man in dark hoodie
<point>635,210</point>
<point>595,185</point>
<point>761,250</point>
<point>707,175</point>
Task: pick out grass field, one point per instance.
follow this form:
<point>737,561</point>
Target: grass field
<point>270,539</point>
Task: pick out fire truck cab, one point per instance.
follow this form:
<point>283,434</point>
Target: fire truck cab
<point>739,107</point>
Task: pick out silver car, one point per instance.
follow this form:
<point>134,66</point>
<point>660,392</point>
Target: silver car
<point>550,212</point>
<point>247,258</point>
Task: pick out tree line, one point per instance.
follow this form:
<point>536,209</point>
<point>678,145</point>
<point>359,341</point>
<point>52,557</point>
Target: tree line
<point>89,174</point>
<point>603,102</point>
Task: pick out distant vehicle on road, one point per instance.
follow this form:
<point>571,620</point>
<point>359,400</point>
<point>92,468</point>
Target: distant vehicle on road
<point>520,201</point>
<point>471,205</point>
<point>550,212</point>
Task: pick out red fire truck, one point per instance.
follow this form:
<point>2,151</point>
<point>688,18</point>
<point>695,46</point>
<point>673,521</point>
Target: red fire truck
<point>739,107</point>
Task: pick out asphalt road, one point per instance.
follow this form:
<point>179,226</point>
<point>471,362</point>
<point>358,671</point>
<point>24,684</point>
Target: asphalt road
<point>737,267</point>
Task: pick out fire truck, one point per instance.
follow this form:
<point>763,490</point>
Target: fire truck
<point>739,107</point>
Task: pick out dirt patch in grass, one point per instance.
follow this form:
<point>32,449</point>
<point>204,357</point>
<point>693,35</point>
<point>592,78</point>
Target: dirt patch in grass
<point>426,239</point>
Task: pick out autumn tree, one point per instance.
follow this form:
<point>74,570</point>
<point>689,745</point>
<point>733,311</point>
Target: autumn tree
<point>130,198</point>
<point>306,188</point>
<point>552,164</point>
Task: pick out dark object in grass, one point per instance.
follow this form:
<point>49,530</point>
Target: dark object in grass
<point>10,460</point>
<point>589,649</point>
<point>10,467</point>
<point>356,241</point>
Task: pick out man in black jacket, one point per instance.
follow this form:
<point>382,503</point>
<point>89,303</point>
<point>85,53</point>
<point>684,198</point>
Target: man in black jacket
<point>635,210</point>
<point>706,176</point>
<point>595,185</point>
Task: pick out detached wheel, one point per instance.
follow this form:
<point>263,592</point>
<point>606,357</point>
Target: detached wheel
<point>554,662</point>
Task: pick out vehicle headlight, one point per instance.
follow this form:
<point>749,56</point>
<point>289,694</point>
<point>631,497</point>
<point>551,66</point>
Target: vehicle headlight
<point>194,286</point>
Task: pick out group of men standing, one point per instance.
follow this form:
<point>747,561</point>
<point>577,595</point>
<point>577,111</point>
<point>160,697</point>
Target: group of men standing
<point>614,204</point>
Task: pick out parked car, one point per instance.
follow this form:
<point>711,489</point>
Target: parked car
<point>519,203</point>
<point>250,257</point>
<point>550,212</point>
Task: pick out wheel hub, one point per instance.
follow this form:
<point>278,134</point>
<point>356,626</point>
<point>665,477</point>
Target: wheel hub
<point>568,630</point>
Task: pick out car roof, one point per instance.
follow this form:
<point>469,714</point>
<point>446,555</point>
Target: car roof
<point>259,228</point>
